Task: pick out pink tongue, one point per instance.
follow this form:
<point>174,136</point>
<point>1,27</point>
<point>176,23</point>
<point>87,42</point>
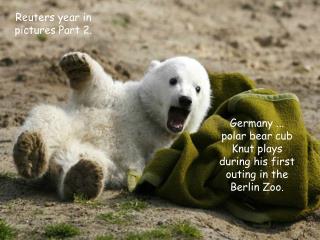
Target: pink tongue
<point>176,120</point>
<point>176,123</point>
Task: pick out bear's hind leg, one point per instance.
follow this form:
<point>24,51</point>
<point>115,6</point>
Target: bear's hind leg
<point>30,155</point>
<point>45,128</point>
<point>79,169</point>
<point>85,178</point>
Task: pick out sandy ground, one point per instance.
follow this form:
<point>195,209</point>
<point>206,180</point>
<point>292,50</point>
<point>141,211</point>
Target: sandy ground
<point>277,44</point>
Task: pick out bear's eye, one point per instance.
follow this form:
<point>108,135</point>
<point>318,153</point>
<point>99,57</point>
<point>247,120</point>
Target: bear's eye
<point>198,88</point>
<point>173,81</point>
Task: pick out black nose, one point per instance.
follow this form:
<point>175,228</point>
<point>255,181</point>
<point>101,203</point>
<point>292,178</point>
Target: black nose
<point>185,101</point>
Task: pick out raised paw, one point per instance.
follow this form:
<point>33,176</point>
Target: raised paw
<point>30,155</point>
<point>77,68</point>
<point>86,179</point>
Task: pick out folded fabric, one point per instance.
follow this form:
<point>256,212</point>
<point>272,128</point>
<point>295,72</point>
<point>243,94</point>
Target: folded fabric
<point>242,124</point>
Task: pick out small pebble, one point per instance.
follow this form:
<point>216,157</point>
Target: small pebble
<point>94,51</point>
<point>307,68</point>
<point>264,41</point>
<point>302,26</point>
<point>260,80</point>
<point>279,43</point>
<point>243,60</point>
<point>295,63</point>
<point>198,46</point>
<point>247,6</point>
<point>190,27</point>
<point>160,223</point>
<point>6,62</point>
<point>21,78</point>
<point>278,5</point>
<point>234,44</point>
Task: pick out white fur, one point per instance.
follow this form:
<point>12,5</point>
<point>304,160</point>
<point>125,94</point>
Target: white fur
<point>120,125</point>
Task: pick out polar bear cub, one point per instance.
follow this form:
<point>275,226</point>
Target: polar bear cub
<point>109,127</point>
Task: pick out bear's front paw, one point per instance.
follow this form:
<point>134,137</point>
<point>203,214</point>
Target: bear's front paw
<point>86,179</point>
<point>30,155</point>
<point>76,66</point>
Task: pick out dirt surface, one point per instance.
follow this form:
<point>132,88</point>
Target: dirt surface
<point>277,44</point>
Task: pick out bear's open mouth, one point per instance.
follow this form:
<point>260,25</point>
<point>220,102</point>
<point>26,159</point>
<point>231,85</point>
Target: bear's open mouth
<point>176,119</point>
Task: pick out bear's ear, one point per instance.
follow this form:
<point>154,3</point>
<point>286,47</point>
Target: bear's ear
<point>153,65</point>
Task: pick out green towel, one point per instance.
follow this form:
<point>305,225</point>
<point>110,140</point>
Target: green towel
<point>190,172</point>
